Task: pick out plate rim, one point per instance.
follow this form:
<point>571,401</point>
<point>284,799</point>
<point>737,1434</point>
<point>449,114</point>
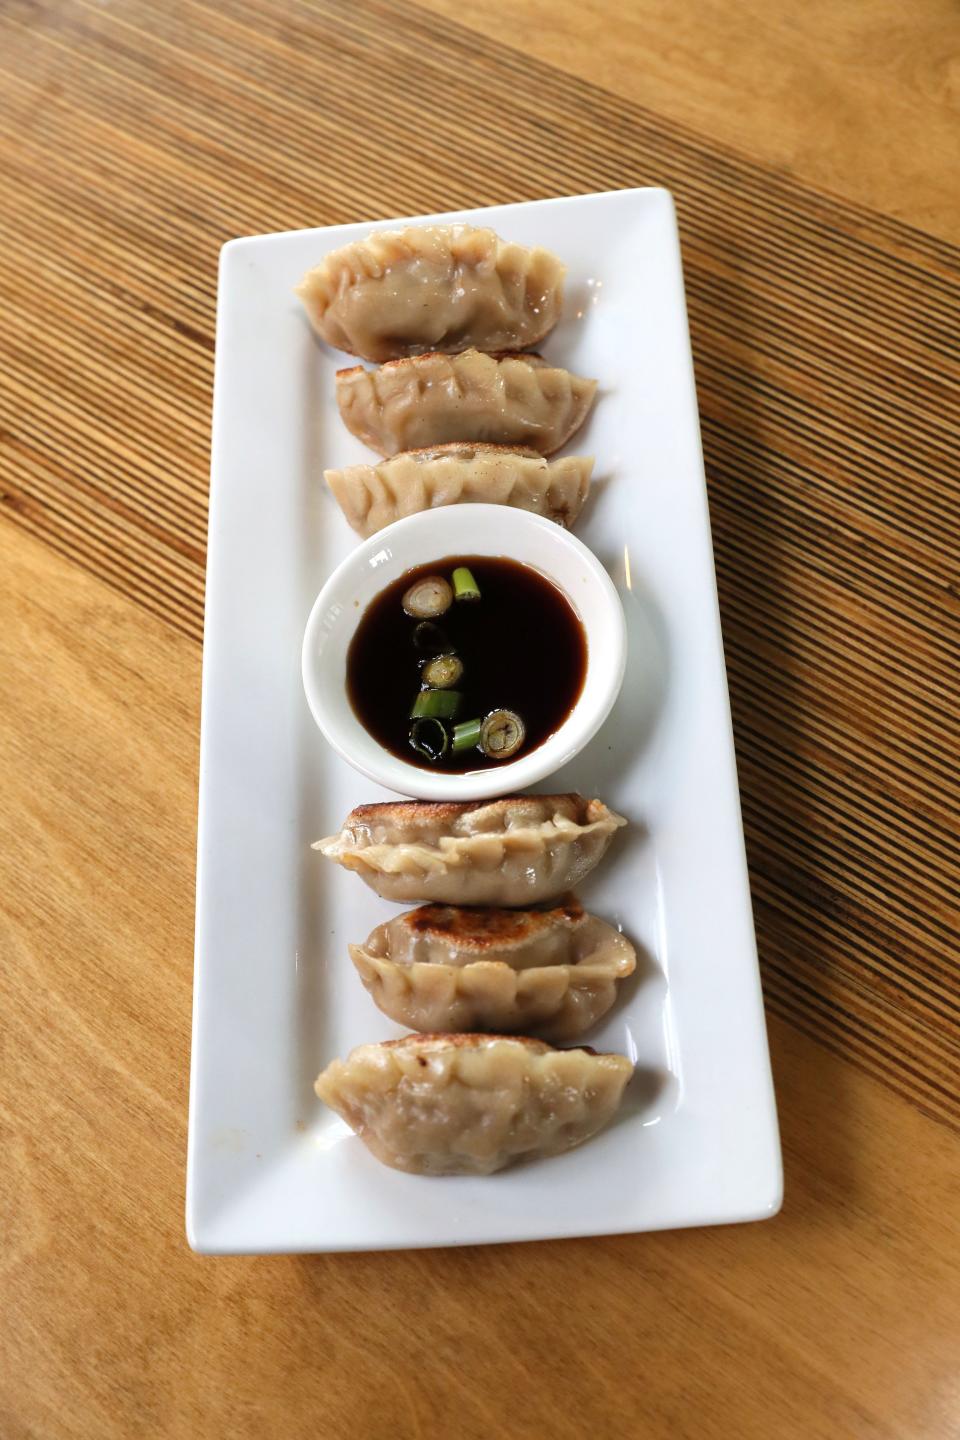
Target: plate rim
<point>211,1233</point>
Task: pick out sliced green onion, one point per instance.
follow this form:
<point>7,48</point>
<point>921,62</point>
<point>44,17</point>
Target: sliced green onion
<point>436,705</point>
<point>428,597</point>
<point>429,738</point>
<point>466,736</point>
<point>464,585</point>
<point>502,734</point>
<point>442,672</point>
<point>430,638</point>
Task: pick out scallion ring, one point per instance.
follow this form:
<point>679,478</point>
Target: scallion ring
<point>429,738</point>
<point>428,597</point>
<point>442,672</point>
<point>501,734</point>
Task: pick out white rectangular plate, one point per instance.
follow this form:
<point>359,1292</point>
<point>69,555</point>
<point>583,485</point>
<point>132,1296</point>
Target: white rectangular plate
<point>276,996</point>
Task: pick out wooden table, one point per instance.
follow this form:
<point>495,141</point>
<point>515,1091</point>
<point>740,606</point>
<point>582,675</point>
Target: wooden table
<point>813,153</point>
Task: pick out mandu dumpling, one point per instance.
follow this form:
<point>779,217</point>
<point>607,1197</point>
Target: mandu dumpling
<point>372,496</point>
<point>520,850</point>
<point>433,287</point>
<point>472,1104</point>
<point>551,973</point>
<point>431,399</point>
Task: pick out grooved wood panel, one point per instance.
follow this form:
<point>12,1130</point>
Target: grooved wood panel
<point>136,139</point>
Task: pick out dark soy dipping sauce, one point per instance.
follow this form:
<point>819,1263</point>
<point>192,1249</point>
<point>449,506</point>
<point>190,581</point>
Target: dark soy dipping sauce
<point>522,646</point>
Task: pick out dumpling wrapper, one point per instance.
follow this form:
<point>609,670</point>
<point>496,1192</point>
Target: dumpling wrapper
<point>550,973</point>
<point>472,1104</point>
<point>520,850</point>
<point>433,287</point>
<point>426,400</point>
<point>372,496</point>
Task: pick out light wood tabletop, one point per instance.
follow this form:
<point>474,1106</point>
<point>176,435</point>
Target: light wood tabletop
<point>813,154</point>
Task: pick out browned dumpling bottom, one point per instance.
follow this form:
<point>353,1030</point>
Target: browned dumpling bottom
<point>518,851</point>
<point>549,973</point>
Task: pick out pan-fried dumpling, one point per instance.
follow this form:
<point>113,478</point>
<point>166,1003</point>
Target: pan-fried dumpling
<point>472,1104</point>
<point>516,851</point>
<point>550,973</point>
<point>372,496</point>
<point>433,287</point>
<point>430,399</point>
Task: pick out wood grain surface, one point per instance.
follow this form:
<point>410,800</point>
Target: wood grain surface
<point>134,140</point>
<point>846,97</point>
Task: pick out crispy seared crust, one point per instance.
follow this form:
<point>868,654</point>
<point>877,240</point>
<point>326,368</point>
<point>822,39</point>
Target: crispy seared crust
<point>481,930</point>
<point>442,810</point>
<point>469,448</point>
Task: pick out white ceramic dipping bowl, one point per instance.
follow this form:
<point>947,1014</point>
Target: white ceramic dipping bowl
<point>434,535</point>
